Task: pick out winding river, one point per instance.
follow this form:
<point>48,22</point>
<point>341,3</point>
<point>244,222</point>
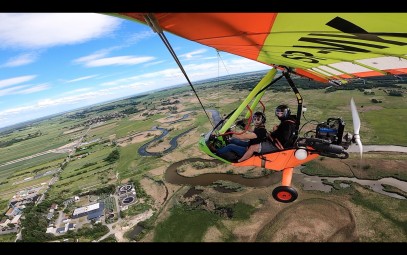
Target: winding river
<point>173,177</point>
<point>173,143</point>
<point>308,182</point>
<point>316,183</point>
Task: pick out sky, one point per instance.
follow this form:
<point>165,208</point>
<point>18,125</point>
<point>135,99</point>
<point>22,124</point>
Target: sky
<point>55,62</point>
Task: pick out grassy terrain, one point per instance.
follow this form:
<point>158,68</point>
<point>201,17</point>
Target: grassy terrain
<point>51,138</point>
<point>8,238</point>
<point>184,225</point>
<point>388,217</point>
<point>374,166</point>
<point>381,124</point>
<point>47,161</point>
<point>83,173</point>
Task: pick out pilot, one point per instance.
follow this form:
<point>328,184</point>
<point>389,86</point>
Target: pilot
<point>239,142</point>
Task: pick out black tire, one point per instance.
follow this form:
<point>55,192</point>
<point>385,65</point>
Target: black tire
<point>285,194</point>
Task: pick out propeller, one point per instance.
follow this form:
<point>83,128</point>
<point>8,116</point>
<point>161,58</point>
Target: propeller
<point>356,126</point>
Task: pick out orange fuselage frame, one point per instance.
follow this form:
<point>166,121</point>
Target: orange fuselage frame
<point>278,161</point>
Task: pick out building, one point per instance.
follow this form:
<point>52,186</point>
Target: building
<point>60,230</point>
<point>93,211</point>
<point>16,219</point>
<point>51,230</point>
<point>12,212</point>
<point>96,214</point>
<point>4,223</point>
<point>50,215</point>
<point>68,226</point>
<point>69,201</point>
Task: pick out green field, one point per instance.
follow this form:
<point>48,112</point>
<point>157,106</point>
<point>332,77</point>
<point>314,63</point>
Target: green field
<point>88,167</point>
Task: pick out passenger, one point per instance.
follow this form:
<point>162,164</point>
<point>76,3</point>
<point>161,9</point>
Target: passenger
<point>279,138</point>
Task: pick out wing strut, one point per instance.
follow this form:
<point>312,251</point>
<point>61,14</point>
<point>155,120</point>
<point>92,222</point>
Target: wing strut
<point>299,101</point>
<point>152,22</point>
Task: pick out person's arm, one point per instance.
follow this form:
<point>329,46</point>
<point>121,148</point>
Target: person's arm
<point>245,136</point>
<point>243,123</point>
<point>276,131</point>
<point>282,133</point>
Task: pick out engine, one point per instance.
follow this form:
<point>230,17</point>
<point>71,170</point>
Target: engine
<point>331,130</point>
<point>329,139</point>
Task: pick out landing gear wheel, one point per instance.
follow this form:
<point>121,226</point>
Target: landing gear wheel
<point>285,194</point>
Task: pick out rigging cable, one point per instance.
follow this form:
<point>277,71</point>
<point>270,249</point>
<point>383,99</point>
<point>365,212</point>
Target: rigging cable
<point>219,57</point>
<point>217,94</point>
<point>217,51</point>
<point>152,22</point>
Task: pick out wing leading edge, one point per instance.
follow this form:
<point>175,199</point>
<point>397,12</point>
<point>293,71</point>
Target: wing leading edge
<point>321,46</point>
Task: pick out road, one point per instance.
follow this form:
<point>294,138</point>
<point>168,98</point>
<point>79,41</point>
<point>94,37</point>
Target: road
<point>387,148</point>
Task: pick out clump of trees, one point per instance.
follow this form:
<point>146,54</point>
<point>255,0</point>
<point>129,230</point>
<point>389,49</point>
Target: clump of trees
<point>201,165</point>
<point>104,190</point>
<point>395,93</point>
<point>17,140</point>
<point>130,110</point>
<point>34,225</point>
<point>113,156</point>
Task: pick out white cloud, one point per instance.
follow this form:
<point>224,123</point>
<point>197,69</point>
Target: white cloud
<point>209,58</point>
<point>120,60</point>
<point>34,89</point>
<point>82,78</point>
<point>76,91</point>
<point>202,71</point>
<point>245,65</point>
<point>49,105</point>
<point>154,63</point>
<point>135,38</point>
<point>16,111</point>
<point>91,57</point>
<point>122,87</point>
<point>41,30</point>
<point>171,72</point>
<point>21,60</point>
<point>45,103</point>
<point>192,54</point>
<point>23,89</point>
<point>16,80</point>
<point>11,90</point>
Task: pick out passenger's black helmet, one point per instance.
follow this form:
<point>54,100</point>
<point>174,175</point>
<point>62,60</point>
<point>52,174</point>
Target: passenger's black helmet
<point>261,115</point>
<point>283,112</point>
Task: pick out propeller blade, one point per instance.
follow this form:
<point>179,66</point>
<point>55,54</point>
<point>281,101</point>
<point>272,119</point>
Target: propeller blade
<point>355,117</point>
<point>359,142</point>
<point>356,126</point>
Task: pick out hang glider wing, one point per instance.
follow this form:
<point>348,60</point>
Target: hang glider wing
<point>321,46</point>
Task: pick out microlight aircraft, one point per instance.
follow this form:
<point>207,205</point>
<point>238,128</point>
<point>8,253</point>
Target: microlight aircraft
<point>333,48</point>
